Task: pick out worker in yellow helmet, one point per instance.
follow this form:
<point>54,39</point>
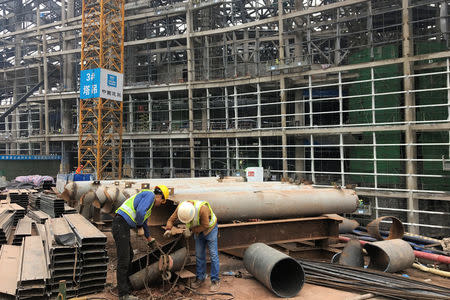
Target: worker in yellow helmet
<point>133,213</point>
<point>201,220</point>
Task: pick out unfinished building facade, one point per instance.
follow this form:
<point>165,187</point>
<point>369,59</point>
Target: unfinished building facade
<point>335,92</point>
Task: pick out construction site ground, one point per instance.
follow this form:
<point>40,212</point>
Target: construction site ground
<point>247,287</point>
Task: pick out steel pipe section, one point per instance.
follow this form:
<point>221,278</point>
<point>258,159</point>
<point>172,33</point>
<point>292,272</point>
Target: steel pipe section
<point>396,231</point>
<point>273,204</point>
<point>152,273</point>
<point>280,273</point>
<point>390,255</point>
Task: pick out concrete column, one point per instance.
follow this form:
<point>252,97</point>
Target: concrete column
<point>227,116</point>
<point>190,67</point>
<point>47,127</point>
<point>130,123</point>
<point>236,110</point>
<point>150,117</point>
<point>410,117</point>
<point>171,166</point>
<point>169,99</point>
<point>228,157</point>
<point>258,99</point>
<point>299,121</point>
<point>209,158</point>
<point>150,142</point>
<point>283,95</point>
<point>237,165</point>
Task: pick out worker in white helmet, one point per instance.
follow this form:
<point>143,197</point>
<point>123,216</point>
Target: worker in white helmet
<point>201,220</point>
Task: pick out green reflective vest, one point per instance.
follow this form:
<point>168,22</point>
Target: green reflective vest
<point>196,221</point>
<point>128,207</point>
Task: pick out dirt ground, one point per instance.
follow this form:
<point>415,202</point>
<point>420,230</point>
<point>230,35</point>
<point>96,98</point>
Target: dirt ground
<point>245,288</point>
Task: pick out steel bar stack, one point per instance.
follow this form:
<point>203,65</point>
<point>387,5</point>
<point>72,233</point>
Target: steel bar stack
<point>65,263</point>
<point>6,224</point>
<point>23,229</point>
<point>52,205</point>
<point>33,269</point>
<point>92,251</point>
<point>370,281</point>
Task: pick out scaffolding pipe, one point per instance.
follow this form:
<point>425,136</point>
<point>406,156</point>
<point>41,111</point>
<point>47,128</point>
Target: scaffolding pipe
<point>280,273</point>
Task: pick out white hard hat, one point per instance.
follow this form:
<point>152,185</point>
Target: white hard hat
<point>186,212</point>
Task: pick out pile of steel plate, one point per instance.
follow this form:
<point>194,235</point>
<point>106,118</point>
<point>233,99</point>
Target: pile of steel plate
<point>20,197</point>
<point>6,224</point>
<point>23,229</point>
<point>65,263</point>
<point>35,200</point>
<point>92,252</point>
<point>38,215</point>
<point>51,205</point>
<point>33,269</point>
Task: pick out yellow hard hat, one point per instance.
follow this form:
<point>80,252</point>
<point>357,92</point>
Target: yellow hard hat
<point>164,189</point>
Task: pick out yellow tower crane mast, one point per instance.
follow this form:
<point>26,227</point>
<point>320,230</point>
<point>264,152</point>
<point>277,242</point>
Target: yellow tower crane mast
<point>101,88</point>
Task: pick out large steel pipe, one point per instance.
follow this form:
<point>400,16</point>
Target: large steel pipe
<point>280,273</point>
<point>390,255</point>
<point>152,273</point>
<point>274,204</point>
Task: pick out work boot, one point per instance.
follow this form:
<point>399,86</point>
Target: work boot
<point>197,283</point>
<point>128,297</point>
<point>215,285</point>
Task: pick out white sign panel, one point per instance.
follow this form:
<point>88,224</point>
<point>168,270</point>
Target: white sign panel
<point>101,83</point>
<point>111,85</point>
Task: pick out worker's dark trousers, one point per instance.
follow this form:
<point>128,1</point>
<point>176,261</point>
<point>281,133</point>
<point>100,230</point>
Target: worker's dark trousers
<point>121,234</point>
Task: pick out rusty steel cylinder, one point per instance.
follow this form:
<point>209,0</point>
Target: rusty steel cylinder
<point>280,273</point>
<point>390,255</point>
<point>275,204</point>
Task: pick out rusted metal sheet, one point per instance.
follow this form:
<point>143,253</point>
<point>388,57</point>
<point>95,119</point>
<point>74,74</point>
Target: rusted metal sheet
<point>242,235</point>
<point>9,266</point>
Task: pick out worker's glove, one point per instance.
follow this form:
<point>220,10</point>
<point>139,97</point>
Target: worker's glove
<point>187,233</point>
<point>152,244</point>
<point>167,234</point>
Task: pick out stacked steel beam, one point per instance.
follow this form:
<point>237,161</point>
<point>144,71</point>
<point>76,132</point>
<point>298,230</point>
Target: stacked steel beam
<point>92,251</point>
<point>33,269</point>
<point>52,205</point>
<point>23,229</point>
<point>38,216</point>
<point>20,197</point>
<point>65,263</point>
<point>6,224</point>
<point>35,200</point>
<point>69,210</point>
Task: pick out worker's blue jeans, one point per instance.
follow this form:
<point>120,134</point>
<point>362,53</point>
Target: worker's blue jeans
<point>201,241</point>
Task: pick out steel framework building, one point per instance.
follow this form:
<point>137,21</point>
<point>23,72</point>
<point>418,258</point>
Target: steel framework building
<point>334,92</point>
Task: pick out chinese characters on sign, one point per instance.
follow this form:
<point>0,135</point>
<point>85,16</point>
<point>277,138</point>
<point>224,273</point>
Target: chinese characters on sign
<point>102,83</point>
